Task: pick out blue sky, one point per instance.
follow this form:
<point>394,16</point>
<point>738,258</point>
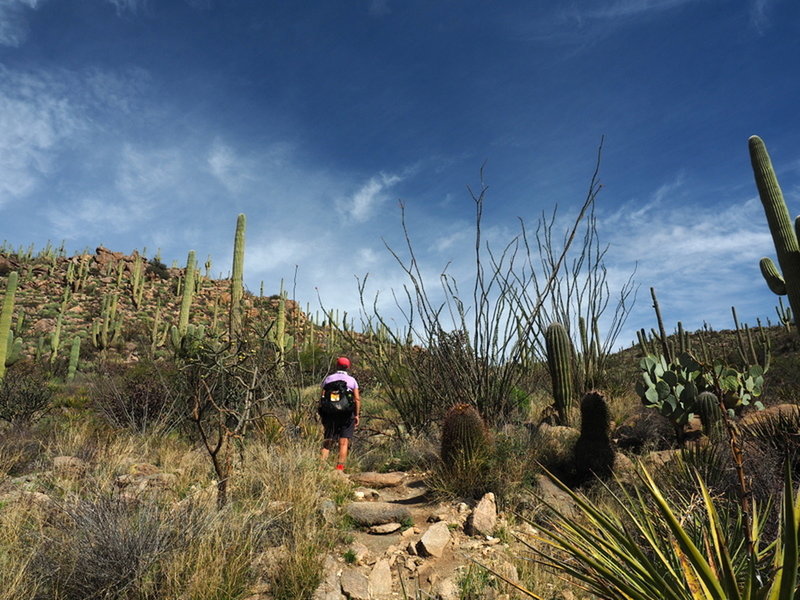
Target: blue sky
<point>133,123</point>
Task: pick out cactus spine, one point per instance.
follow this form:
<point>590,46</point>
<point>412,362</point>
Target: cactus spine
<point>784,235</point>
<point>236,279</point>
<point>5,318</point>
<point>559,360</point>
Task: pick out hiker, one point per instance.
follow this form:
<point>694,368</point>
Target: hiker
<point>339,409</point>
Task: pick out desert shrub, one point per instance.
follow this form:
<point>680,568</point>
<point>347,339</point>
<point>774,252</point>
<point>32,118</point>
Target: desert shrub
<point>145,397</point>
<point>25,394</point>
<point>20,450</point>
<point>157,268</point>
<point>110,547</point>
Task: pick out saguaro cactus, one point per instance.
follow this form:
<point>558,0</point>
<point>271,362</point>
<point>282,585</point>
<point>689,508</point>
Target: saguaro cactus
<point>5,318</point>
<point>188,293</point>
<point>784,235</point>
<point>236,278</point>
<point>559,361</point>
<point>74,356</point>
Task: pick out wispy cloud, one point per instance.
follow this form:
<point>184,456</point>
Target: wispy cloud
<point>14,20</point>
<point>379,8</point>
<point>701,259</point>
<point>35,119</point>
<point>363,204</point>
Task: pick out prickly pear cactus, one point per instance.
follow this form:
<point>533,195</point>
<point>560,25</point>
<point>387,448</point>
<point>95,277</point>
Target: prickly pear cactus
<point>671,387</point>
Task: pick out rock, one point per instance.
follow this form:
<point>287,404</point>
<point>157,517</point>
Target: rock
<point>70,466</point>
<point>377,513</point>
<point>355,584</point>
<point>435,540</point>
<point>483,519</point>
<point>553,496</point>
<point>380,580</point>
<point>787,412</point>
<point>378,480</point>
<point>447,589</point>
<point>659,458</point>
<point>327,509</point>
<point>363,493</point>
<point>329,589</point>
<point>360,552</point>
<point>385,529</point>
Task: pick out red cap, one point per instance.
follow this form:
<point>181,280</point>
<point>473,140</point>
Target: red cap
<point>343,362</point>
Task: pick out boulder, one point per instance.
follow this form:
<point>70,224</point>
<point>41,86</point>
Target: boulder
<point>380,580</point>
<point>483,519</point>
<point>355,585</point>
<point>435,540</point>
<point>329,589</point>
<point>385,529</point>
<point>378,480</point>
<point>377,513</point>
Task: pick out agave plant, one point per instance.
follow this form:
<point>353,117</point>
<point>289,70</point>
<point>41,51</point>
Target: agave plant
<point>631,558</point>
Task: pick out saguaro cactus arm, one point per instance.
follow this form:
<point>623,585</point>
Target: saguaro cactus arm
<point>784,232</point>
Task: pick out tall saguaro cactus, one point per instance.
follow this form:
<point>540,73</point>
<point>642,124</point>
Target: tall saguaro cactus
<point>236,279</point>
<point>5,318</point>
<point>559,360</point>
<point>188,293</point>
<point>784,235</point>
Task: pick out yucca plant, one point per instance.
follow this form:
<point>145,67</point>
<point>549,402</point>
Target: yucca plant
<point>631,558</point>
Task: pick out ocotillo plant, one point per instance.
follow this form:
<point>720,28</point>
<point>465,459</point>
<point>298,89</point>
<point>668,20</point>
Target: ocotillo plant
<point>559,360</point>
<point>237,273</point>
<point>5,318</point>
<point>784,236</point>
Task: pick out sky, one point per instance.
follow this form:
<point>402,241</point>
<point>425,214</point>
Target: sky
<point>152,124</point>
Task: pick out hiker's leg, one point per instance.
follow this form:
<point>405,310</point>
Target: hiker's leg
<point>326,449</point>
<point>343,446</point>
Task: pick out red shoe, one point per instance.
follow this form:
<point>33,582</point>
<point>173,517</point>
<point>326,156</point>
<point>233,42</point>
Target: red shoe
<point>340,467</point>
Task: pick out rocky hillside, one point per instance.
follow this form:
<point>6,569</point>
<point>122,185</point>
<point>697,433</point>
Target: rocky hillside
<point>123,304</point>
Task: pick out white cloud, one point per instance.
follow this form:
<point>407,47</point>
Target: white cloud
<point>35,120</point>
<point>701,258</point>
<point>231,170</point>
<point>363,204</point>
<point>629,8</point>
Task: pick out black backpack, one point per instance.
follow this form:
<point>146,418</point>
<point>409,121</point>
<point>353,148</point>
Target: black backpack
<point>336,399</point>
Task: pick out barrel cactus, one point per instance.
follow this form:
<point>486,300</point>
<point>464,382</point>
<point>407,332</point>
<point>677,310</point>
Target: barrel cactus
<point>593,454</point>
<point>711,416</point>
<point>464,436</point>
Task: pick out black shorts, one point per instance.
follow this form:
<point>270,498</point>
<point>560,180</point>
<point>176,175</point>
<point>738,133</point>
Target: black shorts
<point>339,427</point>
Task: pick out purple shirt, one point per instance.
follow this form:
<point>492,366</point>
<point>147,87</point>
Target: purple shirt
<point>352,384</point>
